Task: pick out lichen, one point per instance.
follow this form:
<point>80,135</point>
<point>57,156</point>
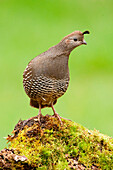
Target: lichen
<point>52,146</point>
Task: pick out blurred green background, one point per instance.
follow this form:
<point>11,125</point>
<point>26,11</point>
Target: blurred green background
<point>28,28</point>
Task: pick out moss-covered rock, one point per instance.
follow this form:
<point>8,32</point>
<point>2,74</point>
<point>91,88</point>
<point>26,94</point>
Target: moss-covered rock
<point>50,146</point>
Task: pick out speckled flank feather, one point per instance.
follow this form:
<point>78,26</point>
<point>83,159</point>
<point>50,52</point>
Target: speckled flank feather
<point>43,89</point>
<point>27,79</point>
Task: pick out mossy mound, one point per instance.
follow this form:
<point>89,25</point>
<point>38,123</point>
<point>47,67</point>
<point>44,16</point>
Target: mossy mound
<point>51,146</point>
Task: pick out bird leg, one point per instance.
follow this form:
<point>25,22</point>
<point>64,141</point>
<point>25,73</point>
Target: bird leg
<point>39,113</point>
<point>56,114</point>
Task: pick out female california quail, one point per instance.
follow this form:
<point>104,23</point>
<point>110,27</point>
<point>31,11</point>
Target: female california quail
<point>46,78</point>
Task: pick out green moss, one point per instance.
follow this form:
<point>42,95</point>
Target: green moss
<point>53,146</point>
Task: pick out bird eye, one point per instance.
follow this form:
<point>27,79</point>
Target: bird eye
<point>75,39</point>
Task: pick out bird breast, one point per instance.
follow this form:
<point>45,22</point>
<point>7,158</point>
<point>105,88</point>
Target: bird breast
<point>46,79</point>
<point>51,66</point>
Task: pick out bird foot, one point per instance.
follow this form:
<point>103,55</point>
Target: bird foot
<point>58,117</point>
<point>65,118</point>
<point>39,118</point>
<point>35,118</point>
<point>31,118</point>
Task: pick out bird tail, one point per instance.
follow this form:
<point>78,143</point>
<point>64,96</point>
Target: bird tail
<point>34,103</point>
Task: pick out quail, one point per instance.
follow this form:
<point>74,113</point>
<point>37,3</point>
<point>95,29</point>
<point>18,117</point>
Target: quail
<point>46,78</point>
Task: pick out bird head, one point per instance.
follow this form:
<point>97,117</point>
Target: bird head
<point>74,40</point>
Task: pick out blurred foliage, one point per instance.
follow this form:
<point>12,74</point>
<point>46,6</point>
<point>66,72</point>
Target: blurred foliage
<point>28,28</point>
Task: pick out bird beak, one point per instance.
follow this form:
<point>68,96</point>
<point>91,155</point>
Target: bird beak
<point>84,42</point>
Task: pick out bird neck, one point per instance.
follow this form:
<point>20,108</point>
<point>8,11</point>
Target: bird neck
<point>64,49</point>
<point>60,49</point>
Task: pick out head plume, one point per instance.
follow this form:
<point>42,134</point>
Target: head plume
<point>86,32</point>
